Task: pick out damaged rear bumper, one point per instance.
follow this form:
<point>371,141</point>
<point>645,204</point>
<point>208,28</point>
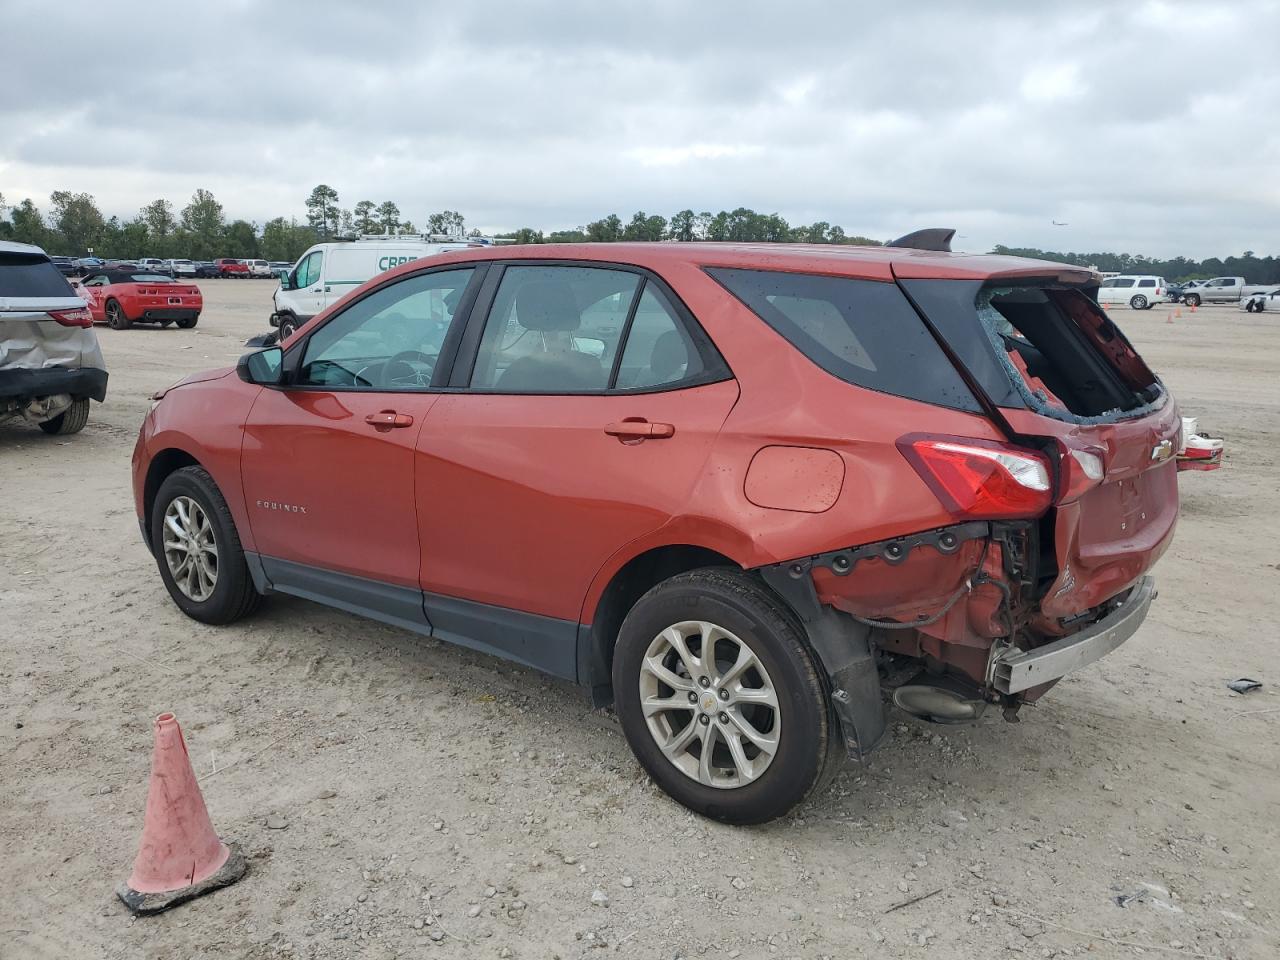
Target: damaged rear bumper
<point>1014,670</point>
<point>25,383</point>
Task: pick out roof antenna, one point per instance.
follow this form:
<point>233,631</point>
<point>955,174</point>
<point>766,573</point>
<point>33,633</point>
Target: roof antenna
<point>932,238</point>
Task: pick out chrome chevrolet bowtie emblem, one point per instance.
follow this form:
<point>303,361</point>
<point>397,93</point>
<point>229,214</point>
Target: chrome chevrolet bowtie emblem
<point>1162,450</point>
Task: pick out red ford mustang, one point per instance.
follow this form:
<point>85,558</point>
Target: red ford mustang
<point>740,490</point>
<point>121,298</point>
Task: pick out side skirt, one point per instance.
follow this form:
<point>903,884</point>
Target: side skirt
<point>544,643</point>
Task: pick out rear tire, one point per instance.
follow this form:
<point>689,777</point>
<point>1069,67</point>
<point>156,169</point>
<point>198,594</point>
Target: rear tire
<point>116,318</point>
<point>777,703</point>
<point>1139,302</point>
<point>187,322</point>
<point>71,420</point>
<point>232,594</point>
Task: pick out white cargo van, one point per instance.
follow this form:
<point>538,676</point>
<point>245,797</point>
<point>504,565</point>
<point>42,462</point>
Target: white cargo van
<point>329,271</point>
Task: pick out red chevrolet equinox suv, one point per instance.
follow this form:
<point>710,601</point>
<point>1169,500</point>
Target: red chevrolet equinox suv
<point>745,492</point>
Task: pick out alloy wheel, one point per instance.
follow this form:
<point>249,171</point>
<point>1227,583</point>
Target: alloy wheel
<point>190,548</point>
<point>709,704</point>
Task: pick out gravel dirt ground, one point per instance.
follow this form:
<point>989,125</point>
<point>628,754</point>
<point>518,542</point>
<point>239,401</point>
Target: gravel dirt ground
<point>400,797</point>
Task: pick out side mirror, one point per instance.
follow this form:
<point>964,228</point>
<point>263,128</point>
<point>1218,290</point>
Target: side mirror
<point>286,282</point>
<point>265,367</point>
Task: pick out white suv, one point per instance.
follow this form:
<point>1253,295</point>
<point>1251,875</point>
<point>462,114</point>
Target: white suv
<point>50,362</point>
<point>1139,291</point>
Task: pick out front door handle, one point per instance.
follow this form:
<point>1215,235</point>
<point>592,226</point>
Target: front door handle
<point>387,419</point>
<point>638,428</point>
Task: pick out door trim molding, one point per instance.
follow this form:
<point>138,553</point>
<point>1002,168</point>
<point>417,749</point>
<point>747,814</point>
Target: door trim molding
<point>547,644</point>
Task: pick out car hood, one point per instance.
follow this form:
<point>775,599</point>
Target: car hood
<point>201,377</point>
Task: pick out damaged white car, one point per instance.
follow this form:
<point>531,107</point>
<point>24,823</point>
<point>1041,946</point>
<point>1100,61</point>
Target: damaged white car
<point>50,363</point>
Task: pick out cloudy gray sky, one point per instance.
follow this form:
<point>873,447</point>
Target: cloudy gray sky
<point>1147,127</point>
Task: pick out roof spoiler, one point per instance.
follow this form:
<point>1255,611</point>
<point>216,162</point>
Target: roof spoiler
<point>933,238</point>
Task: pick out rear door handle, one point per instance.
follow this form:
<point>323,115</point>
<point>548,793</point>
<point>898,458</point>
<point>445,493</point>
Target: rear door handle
<point>387,419</point>
<point>638,428</point>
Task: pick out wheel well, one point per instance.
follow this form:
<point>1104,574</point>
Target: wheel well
<point>162,464</point>
<point>629,584</point>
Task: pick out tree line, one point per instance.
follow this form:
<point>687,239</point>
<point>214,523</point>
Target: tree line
<point>1254,269</point>
<point>74,226</point>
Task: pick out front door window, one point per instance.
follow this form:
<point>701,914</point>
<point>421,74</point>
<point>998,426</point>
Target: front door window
<point>390,340</point>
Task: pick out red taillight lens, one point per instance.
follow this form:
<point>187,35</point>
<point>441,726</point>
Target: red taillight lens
<point>1081,470</point>
<point>80,317</point>
<point>981,479</point>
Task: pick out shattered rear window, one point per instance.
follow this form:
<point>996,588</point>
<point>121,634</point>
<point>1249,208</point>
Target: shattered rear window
<point>1043,346</point>
<point>1052,360</point>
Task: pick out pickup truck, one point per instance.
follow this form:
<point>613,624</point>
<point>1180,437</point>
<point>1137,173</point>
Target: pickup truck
<point>228,267</point>
<point>1221,290</point>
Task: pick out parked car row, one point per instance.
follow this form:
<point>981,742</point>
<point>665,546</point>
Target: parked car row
<point>175,267</point>
<point>1143,291</point>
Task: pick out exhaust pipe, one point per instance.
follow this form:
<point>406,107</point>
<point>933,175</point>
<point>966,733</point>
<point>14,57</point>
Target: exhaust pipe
<point>939,699</point>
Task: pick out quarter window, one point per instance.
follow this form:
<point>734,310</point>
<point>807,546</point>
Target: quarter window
<point>659,351</point>
<point>389,340</point>
<point>863,331</point>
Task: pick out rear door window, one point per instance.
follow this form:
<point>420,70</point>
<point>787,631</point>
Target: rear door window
<point>1146,283</point>
<point>1123,282</point>
<point>554,329</point>
<point>863,331</point>
<point>31,275</point>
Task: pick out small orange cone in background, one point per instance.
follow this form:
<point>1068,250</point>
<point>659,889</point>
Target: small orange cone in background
<point>1178,312</point>
<point>1169,318</point>
<point>1193,308</point>
<point>181,856</point>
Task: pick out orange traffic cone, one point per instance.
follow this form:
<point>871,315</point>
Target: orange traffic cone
<point>1193,308</point>
<point>1169,318</point>
<point>181,856</point>
<point>1177,312</point>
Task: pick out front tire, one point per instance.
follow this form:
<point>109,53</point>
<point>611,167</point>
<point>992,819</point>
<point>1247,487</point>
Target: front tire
<point>1139,302</point>
<point>1192,299</point>
<point>720,697</point>
<point>197,549</point>
<point>116,318</point>
<point>288,324</point>
<point>71,420</point>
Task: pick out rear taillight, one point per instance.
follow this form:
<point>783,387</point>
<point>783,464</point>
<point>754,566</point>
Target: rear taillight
<point>80,317</point>
<point>1081,471</point>
<point>981,479</point>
